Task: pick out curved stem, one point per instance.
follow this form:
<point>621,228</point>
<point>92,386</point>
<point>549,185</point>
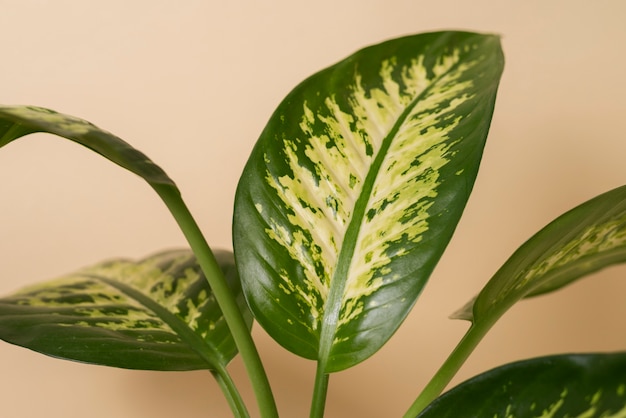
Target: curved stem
<point>236,323</point>
<point>320,389</point>
<point>448,369</point>
<point>225,381</point>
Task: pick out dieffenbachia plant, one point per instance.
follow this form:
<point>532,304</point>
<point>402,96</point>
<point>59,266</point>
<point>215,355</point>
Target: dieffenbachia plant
<point>346,204</point>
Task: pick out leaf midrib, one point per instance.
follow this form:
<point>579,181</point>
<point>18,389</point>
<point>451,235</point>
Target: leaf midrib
<point>332,308</point>
<point>182,330</point>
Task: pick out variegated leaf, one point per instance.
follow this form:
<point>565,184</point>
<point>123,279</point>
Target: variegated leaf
<point>355,187</point>
<point>18,121</point>
<point>155,314</point>
<point>585,239</point>
<point>583,386</point>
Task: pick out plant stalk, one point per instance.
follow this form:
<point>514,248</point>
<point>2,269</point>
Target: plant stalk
<point>320,390</point>
<point>448,369</point>
<point>234,319</point>
<point>225,381</point>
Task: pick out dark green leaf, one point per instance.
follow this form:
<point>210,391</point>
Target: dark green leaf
<point>564,386</point>
<point>355,187</point>
<point>155,314</point>
<point>586,239</point>
<point>17,121</point>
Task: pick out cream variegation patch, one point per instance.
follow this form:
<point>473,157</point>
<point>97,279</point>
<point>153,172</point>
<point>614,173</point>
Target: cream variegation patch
<point>554,409</point>
<point>592,240</point>
<point>94,294</point>
<point>333,159</point>
<point>69,124</point>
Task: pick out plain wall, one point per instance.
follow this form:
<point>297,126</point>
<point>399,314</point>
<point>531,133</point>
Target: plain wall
<point>192,83</point>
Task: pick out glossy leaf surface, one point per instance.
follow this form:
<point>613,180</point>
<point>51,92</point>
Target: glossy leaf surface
<point>155,314</point>
<point>354,189</point>
<point>18,121</point>
<point>586,239</point>
<point>584,386</point>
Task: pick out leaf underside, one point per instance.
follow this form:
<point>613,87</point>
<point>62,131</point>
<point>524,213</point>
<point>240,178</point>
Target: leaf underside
<point>354,189</point>
<point>155,314</point>
<point>585,239</point>
<point>584,386</point>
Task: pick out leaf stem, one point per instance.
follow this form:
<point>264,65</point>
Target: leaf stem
<point>448,369</point>
<point>225,381</point>
<point>236,323</point>
<point>320,390</point>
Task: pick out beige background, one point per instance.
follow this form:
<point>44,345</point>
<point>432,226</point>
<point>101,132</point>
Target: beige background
<point>192,83</point>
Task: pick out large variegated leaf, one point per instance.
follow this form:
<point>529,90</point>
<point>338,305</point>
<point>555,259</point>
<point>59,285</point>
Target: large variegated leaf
<point>355,187</point>
<point>155,314</point>
<point>586,239</point>
<point>18,121</point>
<point>584,386</point>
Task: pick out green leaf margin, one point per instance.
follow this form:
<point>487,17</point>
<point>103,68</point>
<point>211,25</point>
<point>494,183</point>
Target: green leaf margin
<point>569,385</point>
